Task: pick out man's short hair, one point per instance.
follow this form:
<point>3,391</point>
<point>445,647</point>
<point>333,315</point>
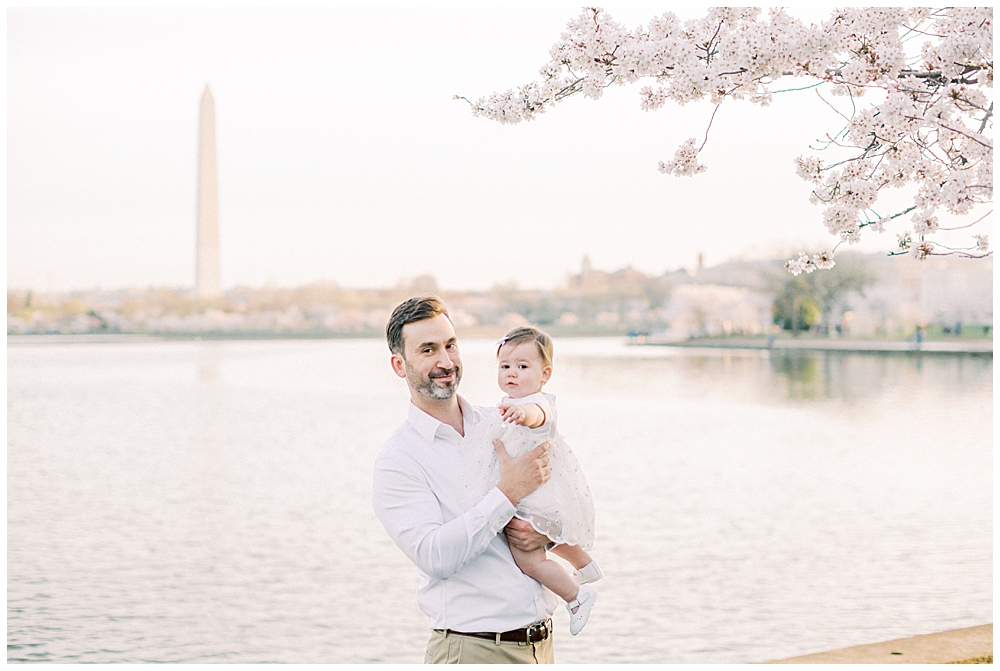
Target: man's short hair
<point>411,310</point>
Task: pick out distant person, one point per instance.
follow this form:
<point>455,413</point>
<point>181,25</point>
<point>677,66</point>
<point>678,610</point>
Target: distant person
<point>562,508</point>
<point>482,608</point>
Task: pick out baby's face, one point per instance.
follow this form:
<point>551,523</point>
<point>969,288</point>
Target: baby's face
<point>520,371</point>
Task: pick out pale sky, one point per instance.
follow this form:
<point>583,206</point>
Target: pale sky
<point>343,157</point>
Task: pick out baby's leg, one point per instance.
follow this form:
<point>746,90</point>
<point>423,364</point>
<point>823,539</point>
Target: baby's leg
<point>574,554</point>
<point>546,571</point>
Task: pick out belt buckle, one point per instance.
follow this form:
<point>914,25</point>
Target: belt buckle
<point>540,628</point>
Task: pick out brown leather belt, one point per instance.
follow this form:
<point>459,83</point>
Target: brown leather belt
<point>534,633</point>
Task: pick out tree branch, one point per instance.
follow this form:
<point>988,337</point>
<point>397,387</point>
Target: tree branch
<point>956,228</point>
<point>709,127</point>
<point>986,118</point>
<point>958,252</point>
<point>974,139</point>
<point>804,88</point>
<point>847,119</point>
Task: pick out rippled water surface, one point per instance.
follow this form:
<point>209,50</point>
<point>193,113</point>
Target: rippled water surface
<point>210,501</point>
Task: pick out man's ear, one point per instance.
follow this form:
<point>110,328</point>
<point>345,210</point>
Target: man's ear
<point>546,374</point>
<point>398,367</point>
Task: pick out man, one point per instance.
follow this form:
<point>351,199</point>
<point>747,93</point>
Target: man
<point>482,609</point>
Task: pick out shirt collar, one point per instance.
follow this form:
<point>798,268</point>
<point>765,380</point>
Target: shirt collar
<point>427,426</point>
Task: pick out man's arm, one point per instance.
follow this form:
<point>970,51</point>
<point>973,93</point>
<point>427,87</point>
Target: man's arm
<point>411,512</point>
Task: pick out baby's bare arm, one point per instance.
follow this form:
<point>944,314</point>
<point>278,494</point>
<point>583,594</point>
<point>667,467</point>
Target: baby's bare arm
<point>529,414</point>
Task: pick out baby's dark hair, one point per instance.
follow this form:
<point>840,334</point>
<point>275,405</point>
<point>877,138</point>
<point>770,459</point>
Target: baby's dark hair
<point>530,334</point>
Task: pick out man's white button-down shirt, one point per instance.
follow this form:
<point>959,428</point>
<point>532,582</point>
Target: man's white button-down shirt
<point>470,581</point>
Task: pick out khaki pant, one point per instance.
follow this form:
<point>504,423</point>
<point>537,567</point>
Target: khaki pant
<point>456,649</point>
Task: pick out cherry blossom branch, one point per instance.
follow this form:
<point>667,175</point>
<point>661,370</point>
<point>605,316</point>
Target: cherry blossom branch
<point>960,252</point>
<point>705,141</point>
<point>956,228</point>
<point>917,133</point>
<point>804,88</point>
<point>971,137</point>
<point>986,118</point>
<point>830,105</point>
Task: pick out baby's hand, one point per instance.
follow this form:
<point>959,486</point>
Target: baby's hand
<point>511,414</point>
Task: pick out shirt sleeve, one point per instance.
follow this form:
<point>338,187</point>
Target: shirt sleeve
<point>411,513</point>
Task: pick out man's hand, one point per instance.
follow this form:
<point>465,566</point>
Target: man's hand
<point>519,477</point>
<point>523,536</point>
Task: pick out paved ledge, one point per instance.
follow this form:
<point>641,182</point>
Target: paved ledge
<point>947,646</point>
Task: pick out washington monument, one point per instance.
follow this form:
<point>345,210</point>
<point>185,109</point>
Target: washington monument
<point>207,280</point>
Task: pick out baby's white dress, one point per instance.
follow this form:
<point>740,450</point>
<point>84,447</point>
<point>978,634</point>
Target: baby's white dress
<point>562,508</point>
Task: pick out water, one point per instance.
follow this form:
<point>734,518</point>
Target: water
<point>210,501</point>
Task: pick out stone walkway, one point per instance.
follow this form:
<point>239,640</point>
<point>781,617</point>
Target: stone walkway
<point>947,646</point>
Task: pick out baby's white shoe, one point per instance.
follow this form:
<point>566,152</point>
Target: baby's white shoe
<point>588,574</point>
<point>583,602</point>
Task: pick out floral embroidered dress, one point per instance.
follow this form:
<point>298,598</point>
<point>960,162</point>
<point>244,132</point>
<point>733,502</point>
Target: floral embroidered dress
<point>562,508</point>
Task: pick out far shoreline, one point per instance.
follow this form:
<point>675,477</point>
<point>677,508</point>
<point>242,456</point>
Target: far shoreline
<point>957,346</point>
<point>784,343</point>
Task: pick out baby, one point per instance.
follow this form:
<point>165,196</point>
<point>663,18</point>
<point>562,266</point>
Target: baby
<point>562,508</point>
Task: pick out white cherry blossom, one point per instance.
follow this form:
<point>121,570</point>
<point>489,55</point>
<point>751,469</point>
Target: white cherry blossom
<point>918,83</point>
<point>685,161</point>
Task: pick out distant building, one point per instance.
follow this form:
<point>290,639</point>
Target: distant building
<point>590,281</point>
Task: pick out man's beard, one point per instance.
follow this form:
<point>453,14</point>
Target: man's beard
<point>426,386</point>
